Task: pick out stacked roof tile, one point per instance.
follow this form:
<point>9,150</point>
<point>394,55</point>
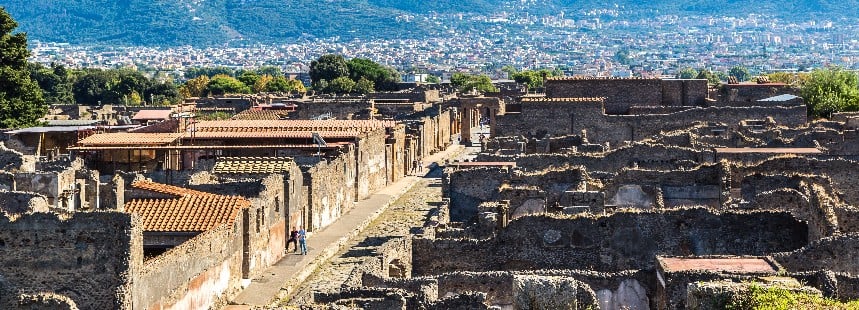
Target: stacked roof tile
<point>253,165</point>
<point>260,115</point>
<point>292,125</point>
<point>189,211</point>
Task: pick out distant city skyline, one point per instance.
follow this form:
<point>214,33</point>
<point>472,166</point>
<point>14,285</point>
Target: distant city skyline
<point>585,45</point>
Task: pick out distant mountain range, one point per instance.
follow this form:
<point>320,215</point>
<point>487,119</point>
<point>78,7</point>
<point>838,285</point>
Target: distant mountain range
<point>214,22</point>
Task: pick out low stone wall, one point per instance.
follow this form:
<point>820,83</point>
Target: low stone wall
<point>626,240</point>
<point>836,253</point>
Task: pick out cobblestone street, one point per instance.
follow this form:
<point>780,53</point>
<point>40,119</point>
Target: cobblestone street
<point>409,212</point>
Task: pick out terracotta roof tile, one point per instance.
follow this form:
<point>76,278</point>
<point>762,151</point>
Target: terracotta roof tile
<point>129,138</point>
<point>190,211</point>
<point>253,165</point>
<point>270,134</point>
<point>152,114</point>
<point>291,125</point>
<point>260,115</point>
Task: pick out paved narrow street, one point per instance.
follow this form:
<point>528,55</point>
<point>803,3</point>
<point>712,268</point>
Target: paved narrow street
<point>409,212</point>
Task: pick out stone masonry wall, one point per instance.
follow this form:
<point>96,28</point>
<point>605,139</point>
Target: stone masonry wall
<point>627,240</point>
<point>468,188</point>
<point>331,190</point>
<point>565,116</point>
<point>836,253</point>
<point>90,258</point>
<point>201,273</point>
<point>372,164</point>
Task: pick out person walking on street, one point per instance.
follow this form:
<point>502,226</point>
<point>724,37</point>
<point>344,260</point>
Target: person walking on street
<point>302,240</point>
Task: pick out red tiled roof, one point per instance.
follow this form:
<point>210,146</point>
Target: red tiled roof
<point>291,125</point>
<point>190,211</point>
<point>273,134</point>
<point>152,115</point>
<point>129,138</point>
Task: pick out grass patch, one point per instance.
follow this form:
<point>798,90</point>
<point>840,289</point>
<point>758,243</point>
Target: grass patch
<point>776,298</point>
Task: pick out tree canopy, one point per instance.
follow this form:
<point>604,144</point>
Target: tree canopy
<point>467,82</point>
<point>328,67</point>
<point>21,101</point>
<point>740,73</point>
<point>224,84</point>
<point>830,90</point>
<point>534,78</point>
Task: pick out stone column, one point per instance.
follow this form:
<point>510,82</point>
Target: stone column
<point>466,125</point>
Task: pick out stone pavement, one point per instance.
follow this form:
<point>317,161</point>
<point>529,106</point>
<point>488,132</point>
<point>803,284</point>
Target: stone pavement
<point>286,275</point>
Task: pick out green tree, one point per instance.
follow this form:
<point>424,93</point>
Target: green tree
<point>297,86</point>
<point>55,83</point>
<point>341,85</point>
<point>831,90</point>
<point>195,87</point>
<point>328,67</point>
<point>623,57</point>
<point>712,78</point>
<point>510,70</point>
<point>261,83</point>
<point>270,70</point>
<point>224,84</point>
<point>687,73</point>
<point>432,79</point>
<point>208,71</point>
<point>21,101</point>
<point>740,72</point>
<point>249,78</point>
<point>383,78</point>
<point>459,79</point>
<point>364,86</point>
<point>91,87</point>
<point>534,79</point>
<point>796,79</point>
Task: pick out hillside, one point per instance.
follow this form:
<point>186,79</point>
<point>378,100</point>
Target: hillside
<point>214,22</point>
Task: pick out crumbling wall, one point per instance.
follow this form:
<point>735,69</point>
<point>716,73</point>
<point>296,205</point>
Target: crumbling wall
<point>700,186</point>
<point>835,253</point>
<point>620,241</point>
<point>565,116</point>
<point>201,273</point>
<point>641,155</point>
<point>90,258</point>
<point>468,188</point>
<point>841,172</point>
<point>22,202</point>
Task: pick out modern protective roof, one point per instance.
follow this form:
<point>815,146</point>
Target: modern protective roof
<point>291,125</point>
<point>780,98</point>
<point>726,264</point>
<point>152,114</point>
<point>188,211</point>
<point>130,138</point>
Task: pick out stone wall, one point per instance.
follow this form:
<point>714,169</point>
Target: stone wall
<point>331,189</point>
<point>622,94</point>
<point>701,186</point>
<point>268,226</point>
<point>641,155</point>
<point>841,172</point>
<point>558,117</point>
<point>836,253</point>
<point>626,240</point>
<point>201,273</point>
<point>468,188</point>
<point>90,258</point>
<point>372,165</point>
<point>352,109</point>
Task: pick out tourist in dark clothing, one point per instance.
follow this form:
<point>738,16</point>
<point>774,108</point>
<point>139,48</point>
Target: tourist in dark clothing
<point>293,238</point>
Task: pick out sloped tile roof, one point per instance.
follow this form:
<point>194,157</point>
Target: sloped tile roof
<point>270,134</point>
<point>291,125</point>
<point>260,115</point>
<point>129,138</point>
<point>190,211</point>
<point>152,114</point>
<point>253,165</point>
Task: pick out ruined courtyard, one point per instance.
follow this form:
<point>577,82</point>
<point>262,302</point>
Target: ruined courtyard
<point>597,193</point>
